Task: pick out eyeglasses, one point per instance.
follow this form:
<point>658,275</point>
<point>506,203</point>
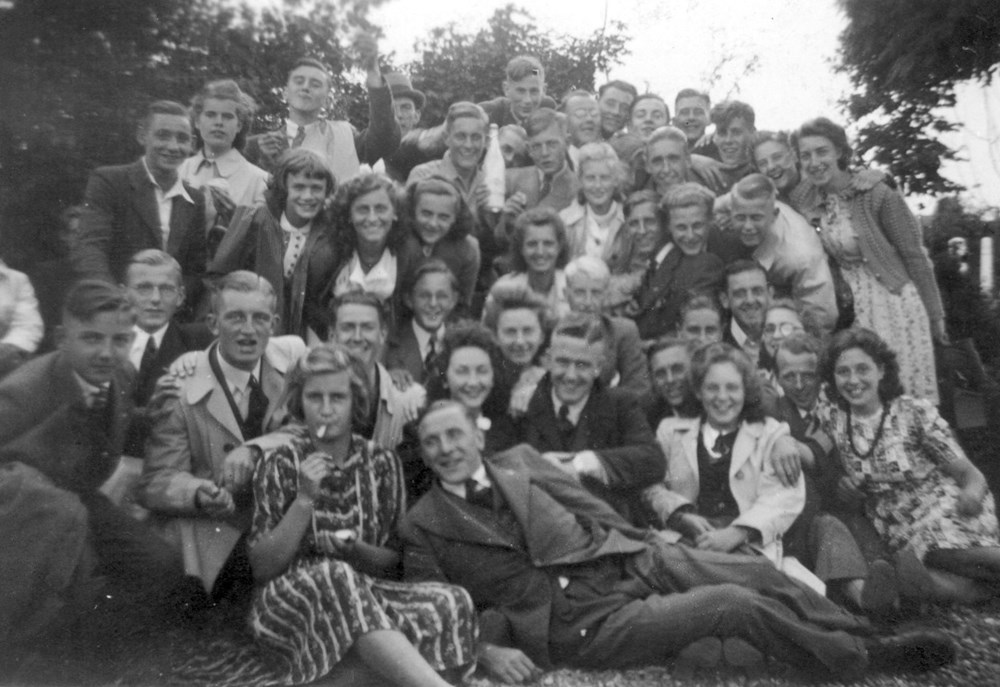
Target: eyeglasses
<point>582,112</point>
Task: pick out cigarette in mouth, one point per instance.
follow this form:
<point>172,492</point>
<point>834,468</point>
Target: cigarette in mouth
<point>321,432</point>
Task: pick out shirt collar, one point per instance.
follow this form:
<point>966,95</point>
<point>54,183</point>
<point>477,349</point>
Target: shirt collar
<point>291,128</point>
<point>709,435</point>
<point>291,228</point>
<point>226,164</point>
<point>176,190</point>
<point>141,336</point>
<point>424,336</point>
<point>664,252</point>
<point>575,409</point>
<point>481,478</point>
<point>238,379</point>
<point>739,336</point>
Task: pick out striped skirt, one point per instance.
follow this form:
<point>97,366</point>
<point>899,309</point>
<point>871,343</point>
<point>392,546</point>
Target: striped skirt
<point>311,615</point>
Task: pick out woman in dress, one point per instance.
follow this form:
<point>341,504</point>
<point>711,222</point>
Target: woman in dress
<point>366,212</point>
<point>594,220</point>
<point>441,226</point>
<point>323,543</point>
<point>906,470</point>
<point>289,241</point>
<point>539,250</point>
<point>878,245</point>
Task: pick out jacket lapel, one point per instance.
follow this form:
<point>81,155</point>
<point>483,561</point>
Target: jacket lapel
<point>144,202</point>
<point>745,445</point>
<point>451,517</point>
<point>181,214</point>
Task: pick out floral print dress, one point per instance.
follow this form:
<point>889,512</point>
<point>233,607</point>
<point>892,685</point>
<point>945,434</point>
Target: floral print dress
<point>900,319</point>
<point>311,614</point>
<point>909,498</point>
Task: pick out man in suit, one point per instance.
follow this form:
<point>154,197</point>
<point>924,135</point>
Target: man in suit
<point>681,265</point>
<point>128,208</point>
<point>413,348</point>
<point>747,296</point>
<point>155,286</point>
<point>307,93</point>
<point>786,246</point>
<point>189,481</point>
<point>587,282</point>
<point>62,423</point>
<point>597,434</point>
<point>559,578</point>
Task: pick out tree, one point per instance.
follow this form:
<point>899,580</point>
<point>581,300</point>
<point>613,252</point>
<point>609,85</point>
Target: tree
<point>457,66</point>
<point>905,57</point>
<point>77,73</point>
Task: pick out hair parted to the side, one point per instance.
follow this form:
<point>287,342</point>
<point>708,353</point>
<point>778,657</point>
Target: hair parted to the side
<point>723,114</point>
<point>242,281</point>
<point>876,348</point>
<point>465,222</point>
<point>154,257</point>
<point>586,327</point>
<point>224,89</point>
<point>327,358</point>
<point>164,107</point>
<point>346,237</point>
<point>302,162</point>
<point>88,298</point>
<point>522,66</point>
<point>831,131</point>
<point>718,353</point>
<point>539,216</point>
<point>364,298</point>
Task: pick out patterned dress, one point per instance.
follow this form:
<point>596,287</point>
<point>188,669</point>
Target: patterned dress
<point>909,498</point>
<point>312,613</point>
<point>900,319</point>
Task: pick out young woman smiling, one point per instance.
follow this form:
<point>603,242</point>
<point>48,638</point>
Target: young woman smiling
<point>907,473</point>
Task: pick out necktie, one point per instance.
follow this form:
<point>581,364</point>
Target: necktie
<point>724,444</point>
<point>429,358</point>
<point>566,428</point>
<point>478,495</point>
<point>256,410</point>
<point>300,136</point>
<point>546,188</point>
<point>147,364</point>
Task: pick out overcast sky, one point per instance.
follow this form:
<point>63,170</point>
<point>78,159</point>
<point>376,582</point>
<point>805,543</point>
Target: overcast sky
<point>777,55</point>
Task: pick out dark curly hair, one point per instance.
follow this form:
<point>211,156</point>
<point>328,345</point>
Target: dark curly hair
<point>712,354</point>
<point>825,128</point>
<point>345,237</point>
<point>297,161</point>
<point>462,334</point>
<point>871,344</point>
<point>464,224</point>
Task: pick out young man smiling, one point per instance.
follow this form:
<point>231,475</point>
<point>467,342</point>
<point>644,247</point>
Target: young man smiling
<point>128,208</point>
<point>341,147</point>
<point>598,434</point>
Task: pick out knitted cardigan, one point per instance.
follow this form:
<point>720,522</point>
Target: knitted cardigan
<point>889,236</point>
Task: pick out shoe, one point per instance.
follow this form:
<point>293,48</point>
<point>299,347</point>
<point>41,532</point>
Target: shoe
<point>698,655</point>
<point>916,650</point>
<point>741,654</point>
<point>914,580</point>
<point>880,594</point>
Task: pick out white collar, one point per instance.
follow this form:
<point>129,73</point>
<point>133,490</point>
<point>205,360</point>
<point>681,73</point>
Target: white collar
<point>176,190</point>
<point>287,225</point>
<point>226,164</point>
<point>481,478</point>
<point>424,336</point>
<point>575,409</point>
<point>739,336</point>
<point>709,435</point>
<point>291,128</point>
<point>238,379</point>
<point>142,336</point>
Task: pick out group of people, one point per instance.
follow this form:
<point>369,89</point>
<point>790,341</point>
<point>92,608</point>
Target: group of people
<point>675,398</point>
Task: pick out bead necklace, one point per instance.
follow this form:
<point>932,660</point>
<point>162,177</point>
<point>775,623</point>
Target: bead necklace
<point>878,433</point>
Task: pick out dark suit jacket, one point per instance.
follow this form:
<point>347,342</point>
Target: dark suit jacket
<point>44,423</point>
<point>403,352</point>
<point>178,339</point>
<point>612,425</point>
<point>664,290</point>
<point>120,219</point>
<point>625,357</point>
<point>562,525</point>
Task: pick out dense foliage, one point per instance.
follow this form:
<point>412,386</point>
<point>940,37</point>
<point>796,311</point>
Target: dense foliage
<point>904,58</point>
